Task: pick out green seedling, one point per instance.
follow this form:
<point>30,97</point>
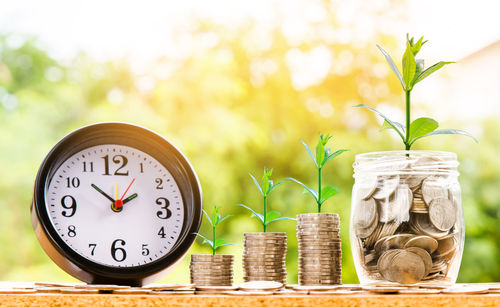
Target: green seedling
<point>214,222</point>
<point>322,157</point>
<point>265,187</point>
<point>413,73</point>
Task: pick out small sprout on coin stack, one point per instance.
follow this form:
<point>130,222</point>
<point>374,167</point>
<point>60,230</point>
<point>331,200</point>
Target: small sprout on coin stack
<point>265,188</point>
<point>322,157</point>
<point>413,72</point>
<point>214,222</point>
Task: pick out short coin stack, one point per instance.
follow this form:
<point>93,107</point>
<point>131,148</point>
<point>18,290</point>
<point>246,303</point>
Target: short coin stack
<point>320,252</point>
<point>212,270</point>
<point>265,256</point>
<point>405,220</point>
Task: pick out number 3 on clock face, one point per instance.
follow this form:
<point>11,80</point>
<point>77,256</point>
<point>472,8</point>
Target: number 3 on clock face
<point>115,205</point>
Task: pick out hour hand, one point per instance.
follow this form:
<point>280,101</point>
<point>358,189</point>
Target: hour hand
<point>102,192</point>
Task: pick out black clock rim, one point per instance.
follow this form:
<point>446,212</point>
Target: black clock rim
<point>145,140</point>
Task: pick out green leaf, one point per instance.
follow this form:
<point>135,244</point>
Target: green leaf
<point>421,126</point>
<point>392,65</point>
<point>446,131</point>
<point>215,215</point>
<point>265,183</point>
<point>311,191</point>
<point>256,184</point>
<point>205,240</point>
<point>429,71</point>
<point>418,70</point>
<point>219,242</point>
<point>271,216</point>
<point>221,219</point>
<point>309,152</point>
<point>320,152</point>
<point>409,66</point>
<point>284,219</point>
<point>333,155</point>
<point>274,186</point>
<point>258,215</point>
<point>394,125</point>
<point>328,192</point>
<point>225,244</point>
<point>415,48</point>
<point>386,125</point>
<point>208,217</point>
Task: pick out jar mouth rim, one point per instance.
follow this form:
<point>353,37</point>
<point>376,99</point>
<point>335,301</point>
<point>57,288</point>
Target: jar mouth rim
<point>406,162</point>
<point>418,153</point>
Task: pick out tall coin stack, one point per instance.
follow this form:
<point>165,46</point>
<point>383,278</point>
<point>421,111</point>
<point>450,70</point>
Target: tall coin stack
<point>265,256</point>
<point>211,270</point>
<point>320,251</point>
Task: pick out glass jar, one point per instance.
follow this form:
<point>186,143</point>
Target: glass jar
<point>407,222</point>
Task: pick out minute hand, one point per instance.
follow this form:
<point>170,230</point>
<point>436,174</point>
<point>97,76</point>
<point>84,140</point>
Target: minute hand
<point>102,192</point>
<point>126,200</point>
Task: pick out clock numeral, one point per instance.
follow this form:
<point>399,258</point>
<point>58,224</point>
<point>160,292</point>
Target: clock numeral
<point>118,159</point>
<point>91,167</point>
<point>165,213</point>
<point>159,184</point>
<point>161,233</point>
<point>70,206</point>
<point>145,250</point>
<point>92,248</point>
<point>71,231</point>
<point>118,253</point>
<point>72,182</point>
<point>142,167</point>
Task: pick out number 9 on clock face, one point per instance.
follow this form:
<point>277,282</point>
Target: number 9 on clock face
<point>118,202</point>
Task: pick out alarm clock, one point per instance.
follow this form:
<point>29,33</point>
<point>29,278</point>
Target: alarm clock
<point>115,203</point>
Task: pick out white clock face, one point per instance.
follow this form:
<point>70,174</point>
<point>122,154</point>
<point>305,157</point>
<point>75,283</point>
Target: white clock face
<point>93,212</point>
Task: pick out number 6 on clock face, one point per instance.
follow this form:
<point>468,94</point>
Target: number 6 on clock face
<point>120,211</point>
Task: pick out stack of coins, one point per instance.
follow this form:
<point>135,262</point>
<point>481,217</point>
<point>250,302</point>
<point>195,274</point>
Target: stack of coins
<point>406,220</point>
<point>320,252</point>
<point>265,256</point>
<point>212,270</point>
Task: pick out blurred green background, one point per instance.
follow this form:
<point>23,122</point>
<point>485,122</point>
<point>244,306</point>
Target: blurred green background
<point>239,99</point>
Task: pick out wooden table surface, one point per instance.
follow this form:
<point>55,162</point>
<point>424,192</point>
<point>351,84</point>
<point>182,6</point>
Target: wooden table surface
<point>253,301</point>
<point>26,295</point>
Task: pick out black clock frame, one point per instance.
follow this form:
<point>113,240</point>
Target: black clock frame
<point>120,134</point>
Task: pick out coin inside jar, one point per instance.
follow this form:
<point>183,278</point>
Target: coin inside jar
<point>387,186</point>
<point>433,188</point>
<point>446,247</point>
<point>367,213</point>
<point>426,258</point>
<point>406,268</point>
<point>442,213</point>
<point>392,242</point>
<point>425,242</point>
<point>368,187</point>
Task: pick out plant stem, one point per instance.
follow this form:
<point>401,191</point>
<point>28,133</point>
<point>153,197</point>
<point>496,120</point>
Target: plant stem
<point>407,140</point>
<point>319,189</point>
<point>213,238</point>
<point>264,224</point>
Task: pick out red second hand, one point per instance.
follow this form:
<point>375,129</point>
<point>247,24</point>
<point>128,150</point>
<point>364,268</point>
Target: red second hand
<point>119,202</point>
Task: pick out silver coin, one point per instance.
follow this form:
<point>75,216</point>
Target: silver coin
<point>427,243</point>
<point>432,188</point>
<point>366,213</point>
<point>386,187</point>
<point>442,213</point>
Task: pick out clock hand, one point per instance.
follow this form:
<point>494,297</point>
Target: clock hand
<point>102,192</point>
<point>117,205</point>
<point>126,200</point>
